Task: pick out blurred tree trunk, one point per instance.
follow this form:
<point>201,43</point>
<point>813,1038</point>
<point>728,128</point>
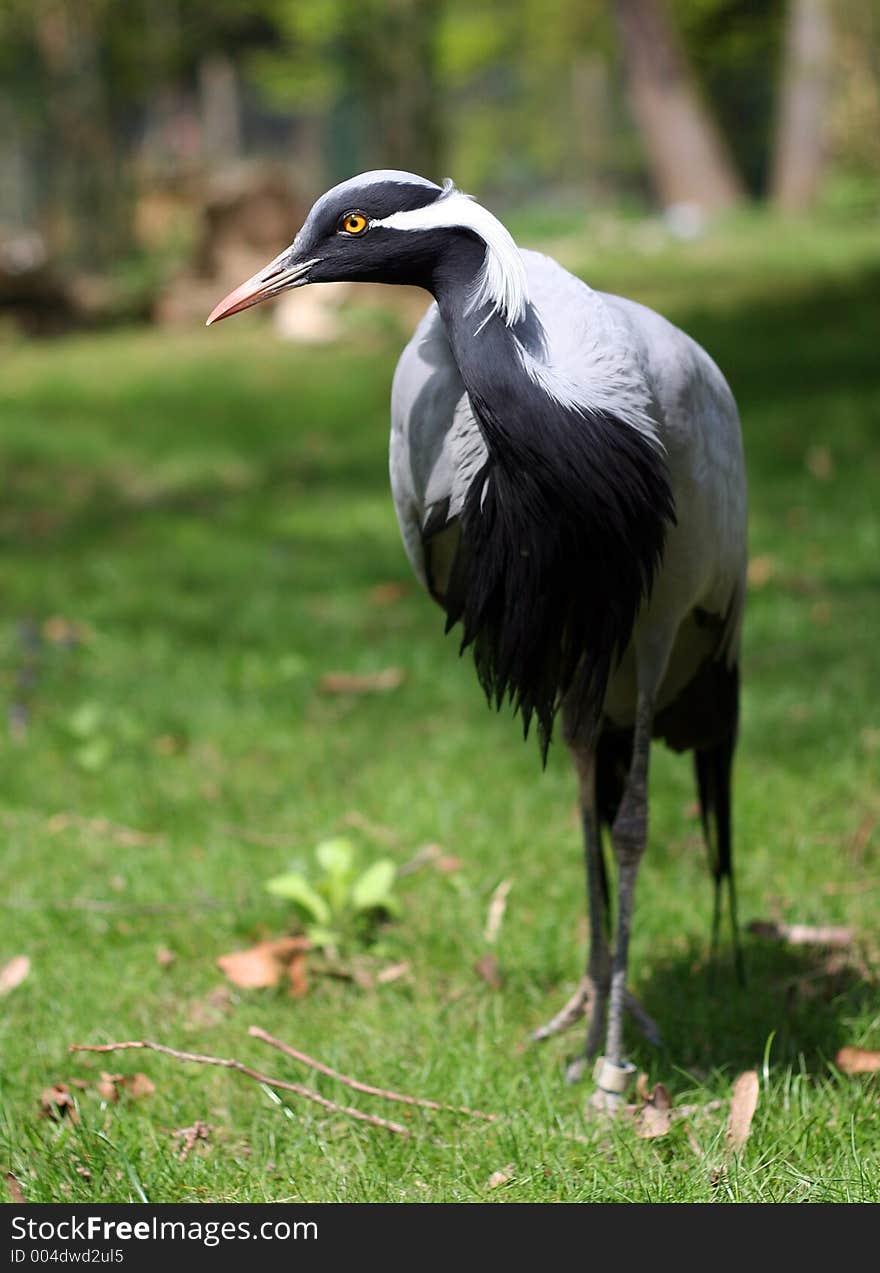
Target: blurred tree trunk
<point>590,113</point>
<point>90,206</point>
<point>799,160</point>
<point>393,58</point>
<point>688,158</point>
<point>220,107</point>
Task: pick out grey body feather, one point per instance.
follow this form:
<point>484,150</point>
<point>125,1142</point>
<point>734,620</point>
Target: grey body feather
<point>598,349</point>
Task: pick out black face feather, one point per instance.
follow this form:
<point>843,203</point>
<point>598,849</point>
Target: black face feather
<point>561,535</point>
<point>379,255</point>
<point>377,199</point>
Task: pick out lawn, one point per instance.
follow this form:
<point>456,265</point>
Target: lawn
<point>194,529</point>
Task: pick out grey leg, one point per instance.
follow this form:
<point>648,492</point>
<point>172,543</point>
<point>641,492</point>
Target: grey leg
<point>591,996</point>
<point>629,836</point>
<point>592,993</point>
<point>598,971</point>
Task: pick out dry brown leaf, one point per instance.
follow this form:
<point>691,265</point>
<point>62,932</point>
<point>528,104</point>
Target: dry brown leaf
<point>502,1177</point>
<point>819,462</point>
<point>487,968</point>
<point>386,594</point>
<point>660,1097</point>
<point>389,678</point>
<point>108,1086</point>
<point>165,957</point>
<point>760,571</point>
<point>56,1102</point>
<point>297,975</point>
<point>495,913</point>
<point>857,1060</point>
<point>448,864</point>
<point>392,973</point>
<point>138,1086</point>
<point>60,631</point>
<point>189,1137</point>
<point>251,968</point>
<point>742,1109</point>
<point>15,1190</point>
<point>263,964</point>
<point>655,1116</point>
<point>111,1086</point>
<point>653,1121</point>
<point>13,973</point>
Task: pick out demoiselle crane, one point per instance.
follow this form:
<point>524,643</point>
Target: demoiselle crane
<point>568,475</point>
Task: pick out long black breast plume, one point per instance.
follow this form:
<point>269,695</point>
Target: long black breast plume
<point>562,532</point>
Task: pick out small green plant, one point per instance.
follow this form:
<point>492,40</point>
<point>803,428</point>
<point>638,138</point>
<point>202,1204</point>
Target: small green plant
<point>342,902</point>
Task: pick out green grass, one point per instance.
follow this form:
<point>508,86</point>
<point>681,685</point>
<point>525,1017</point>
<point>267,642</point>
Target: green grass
<point>212,510</point>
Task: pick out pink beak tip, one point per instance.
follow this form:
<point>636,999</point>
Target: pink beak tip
<point>219,311</point>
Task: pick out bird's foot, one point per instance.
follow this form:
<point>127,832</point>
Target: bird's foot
<point>612,1082</point>
<point>587,1002</point>
<point>577,1007</point>
<point>648,1026</point>
<point>576,1068</point>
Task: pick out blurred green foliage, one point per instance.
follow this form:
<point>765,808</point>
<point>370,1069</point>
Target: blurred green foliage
<point>519,95</point>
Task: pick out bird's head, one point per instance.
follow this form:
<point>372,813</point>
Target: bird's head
<point>395,227</point>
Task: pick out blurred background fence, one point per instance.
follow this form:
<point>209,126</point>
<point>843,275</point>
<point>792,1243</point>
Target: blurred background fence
<point>138,138</point>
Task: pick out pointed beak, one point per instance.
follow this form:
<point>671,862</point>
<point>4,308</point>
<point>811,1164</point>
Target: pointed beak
<point>278,276</point>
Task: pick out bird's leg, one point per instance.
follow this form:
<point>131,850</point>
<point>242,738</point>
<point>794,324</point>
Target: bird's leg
<point>629,835</point>
<point>597,976</point>
<point>592,992</point>
<point>739,966</point>
<point>591,996</point>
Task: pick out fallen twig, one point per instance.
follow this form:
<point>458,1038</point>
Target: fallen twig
<point>230,1063</point>
<point>188,1137</point>
<point>426,854</point>
<point>255,1032</point>
<point>495,914</point>
<point>375,830</point>
<point>802,934</point>
<point>128,837</point>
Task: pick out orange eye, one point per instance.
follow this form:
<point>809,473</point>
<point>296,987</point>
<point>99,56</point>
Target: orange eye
<point>353,223</point>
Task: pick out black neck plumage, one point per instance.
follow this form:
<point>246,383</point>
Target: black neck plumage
<point>561,532</point>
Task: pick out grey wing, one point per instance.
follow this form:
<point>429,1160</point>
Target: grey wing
<point>700,430</point>
<point>435,453</point>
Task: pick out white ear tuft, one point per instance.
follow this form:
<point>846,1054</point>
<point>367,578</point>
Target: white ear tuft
<point>502,280</point>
